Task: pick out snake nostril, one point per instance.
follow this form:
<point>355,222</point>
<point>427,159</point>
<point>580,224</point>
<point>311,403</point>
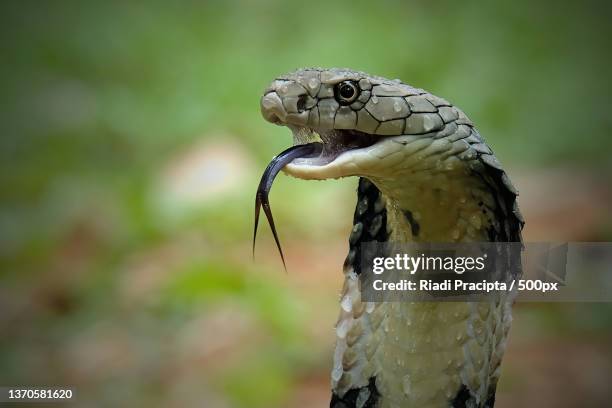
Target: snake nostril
<point>301,103</point>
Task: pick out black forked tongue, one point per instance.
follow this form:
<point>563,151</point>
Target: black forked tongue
<point>275,166</point>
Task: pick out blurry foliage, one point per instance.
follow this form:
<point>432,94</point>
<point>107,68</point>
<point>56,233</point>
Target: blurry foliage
<point>98,97</point>
<point>212,282</point>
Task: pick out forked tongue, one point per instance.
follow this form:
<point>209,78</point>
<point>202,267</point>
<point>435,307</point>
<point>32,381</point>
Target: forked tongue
<point>275,166</point>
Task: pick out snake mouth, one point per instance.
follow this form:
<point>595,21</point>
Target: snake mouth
<point>334,143</point>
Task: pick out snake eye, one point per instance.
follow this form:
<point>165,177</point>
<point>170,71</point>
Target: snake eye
<point>346,92</point>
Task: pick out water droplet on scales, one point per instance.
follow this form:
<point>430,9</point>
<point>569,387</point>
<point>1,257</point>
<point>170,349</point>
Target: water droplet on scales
<point>346,303</point>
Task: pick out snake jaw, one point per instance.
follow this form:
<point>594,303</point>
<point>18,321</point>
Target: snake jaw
<point>337,164</point>
<point>318,169</point>
<point>334,144</point>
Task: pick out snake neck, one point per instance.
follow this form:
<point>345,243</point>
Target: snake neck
<point>458,209</point>
<point>423,354</point>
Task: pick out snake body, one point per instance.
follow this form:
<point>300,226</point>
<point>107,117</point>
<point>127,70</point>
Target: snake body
<point>425,175</point>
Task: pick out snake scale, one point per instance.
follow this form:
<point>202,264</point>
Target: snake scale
<point>425,175</point>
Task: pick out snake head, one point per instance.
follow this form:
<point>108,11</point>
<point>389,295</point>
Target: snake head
<point>416,148</point>
<point>368,125</point>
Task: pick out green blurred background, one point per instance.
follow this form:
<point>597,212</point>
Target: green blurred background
<point>131,149</point>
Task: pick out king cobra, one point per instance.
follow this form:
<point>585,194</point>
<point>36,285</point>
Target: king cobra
<point>425,175</point>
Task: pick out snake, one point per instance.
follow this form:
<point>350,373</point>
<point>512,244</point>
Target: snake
<point>425,174</point>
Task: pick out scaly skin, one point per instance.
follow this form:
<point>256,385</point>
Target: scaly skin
<point>426,176</point>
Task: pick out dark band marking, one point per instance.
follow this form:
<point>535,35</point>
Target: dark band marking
<point>369,222</point>
<point>349,400</point>
<point>462,398</point>
<point>414,225</point>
